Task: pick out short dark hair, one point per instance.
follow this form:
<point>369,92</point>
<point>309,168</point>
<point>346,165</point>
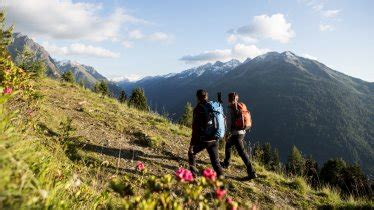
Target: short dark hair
<point>202,95</point>
<point>232,96</point>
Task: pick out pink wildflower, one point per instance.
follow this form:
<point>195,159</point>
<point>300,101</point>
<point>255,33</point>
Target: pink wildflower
<point>232,204</point>
<point>7,90</point>
<point>140,166</point>
<point>184,175</point>
<point>210,174</point>
<point>220,193</point>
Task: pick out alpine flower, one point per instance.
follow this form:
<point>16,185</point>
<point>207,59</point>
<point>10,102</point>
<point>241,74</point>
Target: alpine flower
<point>220,193</point>
<point>7,90</point>
<point>140,166</point>
<point>233,205</point>
<point>209,174</point>
<point>184,175</point>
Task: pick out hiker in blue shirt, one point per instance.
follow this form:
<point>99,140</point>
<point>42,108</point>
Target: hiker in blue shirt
<point>200,140</point>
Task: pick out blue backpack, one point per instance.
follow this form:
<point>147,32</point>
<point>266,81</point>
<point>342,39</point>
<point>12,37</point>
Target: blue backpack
<point>215,127</point>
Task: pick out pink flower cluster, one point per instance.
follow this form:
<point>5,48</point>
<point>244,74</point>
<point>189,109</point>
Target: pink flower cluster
<point>140,166</point>
<point>220,193</point>
<point>233,205</point>
<point>7,90</point>
<point>184,175</point>
<point>209,174</point>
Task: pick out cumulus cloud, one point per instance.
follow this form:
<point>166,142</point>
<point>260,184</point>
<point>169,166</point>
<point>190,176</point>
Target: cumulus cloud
<point>160,36</point>
<point>79,49</point>
<point>274,27</point>
<point>135,34</point>
<point>65,19</point>
<point>127,44</point>
<point>330,13</point>
<point>319,7</point>
<point>325,27</point>
<point>131,77</point>
<point>238,51</point>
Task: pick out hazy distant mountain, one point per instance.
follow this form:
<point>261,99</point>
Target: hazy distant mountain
<point>293,100</point>
<point>21,41</point>
<point>87,74</point>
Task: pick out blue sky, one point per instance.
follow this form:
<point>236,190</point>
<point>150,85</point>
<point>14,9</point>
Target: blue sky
<point>140,38</point>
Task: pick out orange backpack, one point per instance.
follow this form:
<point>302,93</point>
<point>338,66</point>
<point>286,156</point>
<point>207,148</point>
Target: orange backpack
<point>243,120</point>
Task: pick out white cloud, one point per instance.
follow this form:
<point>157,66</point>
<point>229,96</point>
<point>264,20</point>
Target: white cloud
<point>138,35</point>
<point>160,36</point>
<point>79,49</point>
<point>127,44</point>
<point>330,13</point>
<point>306,55</point>
<point>239,51</point>
<point>319,7</point>
<point>135,34</point>
<point>65,19</point>
<point>131,78</point>
<point>325,27</point>
<point>274,27</point>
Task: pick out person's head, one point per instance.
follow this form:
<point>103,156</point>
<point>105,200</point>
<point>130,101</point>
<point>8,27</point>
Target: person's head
<point>202,95</point>
<point>233,97</point>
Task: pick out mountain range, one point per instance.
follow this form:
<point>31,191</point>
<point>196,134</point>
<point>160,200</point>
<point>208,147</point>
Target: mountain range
<point>293,101</point>
<point>83,73</point>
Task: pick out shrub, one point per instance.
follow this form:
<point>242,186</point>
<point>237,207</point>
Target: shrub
<point>68,76</point>
<point>122,97</point>
<point>186,118</point>
<point>102,88</point>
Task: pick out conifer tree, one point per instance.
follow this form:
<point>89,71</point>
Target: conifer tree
<point>122,96</point>
<point>275,162</point>
<point>331,171</point>
<point>68,76</point>
<point>186,118</point>
<point>102,88</point>
<point>295,162</point>
<point>311,171</point>
<point>5,36</point>
<point>138,99</point>
<point>27,61</point>
<point>266,157</point>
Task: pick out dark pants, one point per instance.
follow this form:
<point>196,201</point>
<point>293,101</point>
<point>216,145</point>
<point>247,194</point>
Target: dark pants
<point>212,148</point>
<point>237,141</point>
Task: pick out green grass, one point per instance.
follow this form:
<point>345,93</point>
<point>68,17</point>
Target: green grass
<point>93,167</point>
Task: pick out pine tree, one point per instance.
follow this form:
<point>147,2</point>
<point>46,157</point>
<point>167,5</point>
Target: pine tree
<point>311,171</point>
<point>266,157</point>
<point>68,76</point>
<point>295,163</point>
<point>5,36</point>
<point>122,97</point>
<point>186,118</point>
<point>138,99</point>
<point>275,162</point>
<point>27,61</point>
<point>102,88</point>
<point>331,171</point>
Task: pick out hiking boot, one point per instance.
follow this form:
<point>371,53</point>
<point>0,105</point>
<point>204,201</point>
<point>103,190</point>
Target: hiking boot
<point>224,165</point>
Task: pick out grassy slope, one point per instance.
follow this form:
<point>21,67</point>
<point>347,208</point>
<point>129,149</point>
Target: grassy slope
<point>37,170</point>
